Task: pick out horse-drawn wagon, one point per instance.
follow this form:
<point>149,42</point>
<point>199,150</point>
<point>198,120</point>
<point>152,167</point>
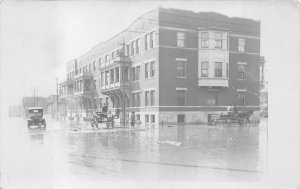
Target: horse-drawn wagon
<point>240,118</point>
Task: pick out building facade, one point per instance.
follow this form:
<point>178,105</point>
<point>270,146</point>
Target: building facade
<point>169,66</point>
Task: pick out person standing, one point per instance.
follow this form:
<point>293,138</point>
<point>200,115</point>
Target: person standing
<point>132,119</point>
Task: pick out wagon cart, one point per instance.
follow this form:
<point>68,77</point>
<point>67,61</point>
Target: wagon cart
<point>241,118</point>
<point>102,118</point>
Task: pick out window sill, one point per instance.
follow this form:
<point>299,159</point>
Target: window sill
<point>181,77</point>
<point>150,78</point>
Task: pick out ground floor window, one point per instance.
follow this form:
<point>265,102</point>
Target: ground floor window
<point>242,98</point>
<point>146,118</point>
<point>152,118</point>
<point>138,117</point>
<point>180,118</point>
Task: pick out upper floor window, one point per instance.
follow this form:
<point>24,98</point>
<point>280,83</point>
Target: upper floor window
<point>94,85</point>
<point>127,49</point>
<point>132,47</point>
<point>152,97</point>
<point>242,71</point>
<point>112,76</point>
<point>94,66</point>
<point>136,99</point>
<point>204,40</point>
<point>137,46</point>
<point>227,70</point>
<point>181,97</point>
<point>106,58</point>
<point>149,98</point>
<point>180,39</point>
<point>117,74</point>
<point>212,99</point>
<point>106,77</point>
<point>151,39</point>
<point>135,73</point>
<point>218,40</point>
<point>218,69</point>
<point>113,55</point>
<point>147,41</point>
<point>102,78</point>
<point>204,69</point>
<point>241,45</point>
<point>100,61</point>
<point>181,65</point>
<point>90,67</point>
<point>147,70</point>
<point>152,68</point>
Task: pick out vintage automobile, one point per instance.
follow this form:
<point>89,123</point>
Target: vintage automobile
<point>35,115</point>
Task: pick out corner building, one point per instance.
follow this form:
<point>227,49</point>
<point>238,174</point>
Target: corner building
<point>170,66</point>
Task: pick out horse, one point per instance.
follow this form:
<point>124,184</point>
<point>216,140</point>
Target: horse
<point>246,115</point>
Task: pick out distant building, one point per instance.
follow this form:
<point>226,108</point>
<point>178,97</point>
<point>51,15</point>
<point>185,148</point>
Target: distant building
<point>15,111</point>
<point>174,66</point>
<point>33,102</point>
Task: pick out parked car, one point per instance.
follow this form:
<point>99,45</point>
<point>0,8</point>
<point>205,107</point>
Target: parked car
<point>35,115</point>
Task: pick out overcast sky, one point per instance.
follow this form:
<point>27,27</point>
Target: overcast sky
<point>38,38</point>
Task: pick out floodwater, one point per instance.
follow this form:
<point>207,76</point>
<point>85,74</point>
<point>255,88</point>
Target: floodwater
<point>69,154</point>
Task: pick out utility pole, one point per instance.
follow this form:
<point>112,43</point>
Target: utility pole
<point>123,78</point>
<point>34,96</point>
<point>37,97</point>
<point>57,98</point>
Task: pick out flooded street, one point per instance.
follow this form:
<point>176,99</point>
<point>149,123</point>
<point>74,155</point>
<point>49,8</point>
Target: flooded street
<point>73,154</point>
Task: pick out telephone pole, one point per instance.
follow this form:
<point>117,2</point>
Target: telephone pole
<point>57,98</point>
<point>123,78</point>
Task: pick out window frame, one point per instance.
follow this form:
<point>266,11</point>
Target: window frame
<point>181,40</point>
<point>202,69</point>
<point>218,69</point>
<point>218,40</point>
<point>184,68</point>
<point>204,40</point>
<point>147,68</point>
<point>152,39</point>
<point>241,44</point>
<point>178,101</point>
<point>152,68</point>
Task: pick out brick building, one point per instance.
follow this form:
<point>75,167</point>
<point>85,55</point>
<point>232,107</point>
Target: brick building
<point>170,65</point>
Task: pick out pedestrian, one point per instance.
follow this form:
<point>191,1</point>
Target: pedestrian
<point>132,119</point>
<point>230,109</point>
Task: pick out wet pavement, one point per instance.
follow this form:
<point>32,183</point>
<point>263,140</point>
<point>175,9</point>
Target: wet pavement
<point>68,154</point>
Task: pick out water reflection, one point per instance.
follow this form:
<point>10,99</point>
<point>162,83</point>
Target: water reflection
<point>169,152</point>
<point>37,133</point>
